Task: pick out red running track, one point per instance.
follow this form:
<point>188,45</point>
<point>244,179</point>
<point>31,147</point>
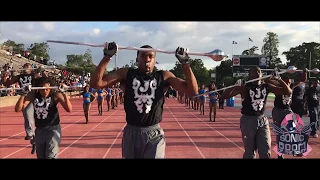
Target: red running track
<point>188,134</point>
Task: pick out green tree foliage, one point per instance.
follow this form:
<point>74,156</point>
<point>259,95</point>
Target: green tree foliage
<point>228,81</point>
<point>224,70</point>
<point>79,63</point>
<point>75,60</point>
<point>200,71</point>
<point>178,71</point>
<point>9,43</point>
<point>299,56</point>
<point>19,49</point>
<point>270,49</point>
<point>14,47</point>
<point>40,50</point>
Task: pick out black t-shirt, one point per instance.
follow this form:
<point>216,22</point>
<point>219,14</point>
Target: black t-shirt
<point>313,97</point>
<point>298,92</point>
<point>144,98</point>
<point>45,110</point>
<point>283,101</point>
<point>298,96</point>
<point>25,79</point>
<point>255,99</point>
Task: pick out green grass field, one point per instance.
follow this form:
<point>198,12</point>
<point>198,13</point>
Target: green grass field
<point>271,96</point>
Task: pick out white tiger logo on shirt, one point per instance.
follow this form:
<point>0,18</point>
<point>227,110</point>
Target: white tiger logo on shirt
<point>258,98</point>
<point>141,95</point>
<point>42,107</point>
<point>286,99</point>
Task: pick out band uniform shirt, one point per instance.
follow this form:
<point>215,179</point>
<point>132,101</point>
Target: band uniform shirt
<point>255,99</point>
<point>144,97</point>
<point>45,110</point>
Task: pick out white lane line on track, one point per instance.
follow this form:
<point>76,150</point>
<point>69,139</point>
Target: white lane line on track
<point>30,144</point>
<point>86,133</point>
<point>194,144</point>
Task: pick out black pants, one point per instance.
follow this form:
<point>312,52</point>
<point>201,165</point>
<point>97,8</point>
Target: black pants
<point>167,94</point>
<point>314,114</point>
<point>298,107</point>
<point>221,103</point>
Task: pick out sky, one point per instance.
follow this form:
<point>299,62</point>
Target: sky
<point>196,36</point>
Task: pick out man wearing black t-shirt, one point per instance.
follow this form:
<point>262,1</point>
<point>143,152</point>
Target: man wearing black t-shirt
<point>298,95</point>
<point>46,115</point>
<point>254,124</point>
<point>26,78</point>
<point>144,98</point>
<point>313,99</point>
<point>282,103</point>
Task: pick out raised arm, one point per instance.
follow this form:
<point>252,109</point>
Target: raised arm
<point>64,100</point>
<point>105,92</point>
<point>302,79</point>
<point>180,84</point>
<point>93,96</point>
<point>188,86</point>
<point>8,82</point>
<point>99,79</point>
<point>79,94</point>
<point>281,89</point>
<point>231,92</point>
<point>26,98</point>
<point>284,89</point>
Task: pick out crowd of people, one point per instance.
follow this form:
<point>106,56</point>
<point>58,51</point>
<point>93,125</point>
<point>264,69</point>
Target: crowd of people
<point>204,94</point>
<point>143,91</point>
<point>7,72</point>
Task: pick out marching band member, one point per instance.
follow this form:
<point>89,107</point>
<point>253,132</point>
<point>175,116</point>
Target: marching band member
<point>254,124</point>
<point>46,115</point>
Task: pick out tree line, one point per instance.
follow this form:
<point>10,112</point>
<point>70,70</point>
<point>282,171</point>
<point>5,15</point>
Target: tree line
<point>298,56</point>
<point>38,49</point>
<point>76,63</point>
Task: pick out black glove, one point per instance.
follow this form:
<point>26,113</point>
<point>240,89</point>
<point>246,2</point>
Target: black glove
<point>182,55</point>
<point>110,49</point>
<point>62,88</point>
<point>26,89</point>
